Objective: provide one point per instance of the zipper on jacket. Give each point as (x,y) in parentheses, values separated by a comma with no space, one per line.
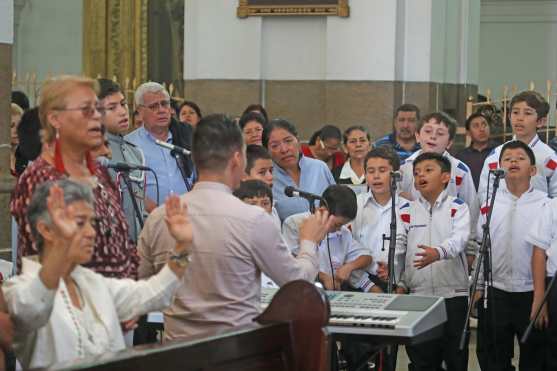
(429,244)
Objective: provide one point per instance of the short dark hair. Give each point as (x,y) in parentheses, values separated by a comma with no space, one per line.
(442,118)
(253,188)
(21,99)
(341,201)
(278,124)
(107,87)
(215,139)
(354,128)
(532,99)
(257,107)
(385,152)
(28,132)
(515,144)
(441,160)
(254,153)
(407,107)
(326,132)
(192,105)
(474,116)
(252,116)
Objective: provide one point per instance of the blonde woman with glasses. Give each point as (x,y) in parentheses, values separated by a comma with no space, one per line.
(71,121)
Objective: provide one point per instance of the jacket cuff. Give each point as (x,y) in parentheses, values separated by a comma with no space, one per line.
(442,252)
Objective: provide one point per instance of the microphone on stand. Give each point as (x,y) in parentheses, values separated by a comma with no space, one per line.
(396,175)
(499,173)
(294,192)
(120,166)
(173,147)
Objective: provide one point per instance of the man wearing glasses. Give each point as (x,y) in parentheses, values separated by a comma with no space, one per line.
(117,121)
(175,174)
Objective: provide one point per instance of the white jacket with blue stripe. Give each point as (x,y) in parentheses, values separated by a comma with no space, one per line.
(444,226)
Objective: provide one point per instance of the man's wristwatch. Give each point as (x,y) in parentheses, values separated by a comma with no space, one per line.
(181,259)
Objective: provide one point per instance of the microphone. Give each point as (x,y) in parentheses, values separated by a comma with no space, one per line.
(293,192)
(499,173)
(396,175)
(120,166)
(173,147)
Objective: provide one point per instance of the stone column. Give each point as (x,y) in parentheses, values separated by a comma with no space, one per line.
(6,180)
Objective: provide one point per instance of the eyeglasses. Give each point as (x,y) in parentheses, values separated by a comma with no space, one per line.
(87,111)
(154,107)
(288,141)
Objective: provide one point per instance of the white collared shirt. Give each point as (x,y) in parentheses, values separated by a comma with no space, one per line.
(342,246)
(511,252)
(543,234)
(545,179)
(372,222)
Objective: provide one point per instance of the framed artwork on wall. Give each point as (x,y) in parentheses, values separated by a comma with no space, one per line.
(250,8)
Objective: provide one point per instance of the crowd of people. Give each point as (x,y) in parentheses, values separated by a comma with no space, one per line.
(114,223)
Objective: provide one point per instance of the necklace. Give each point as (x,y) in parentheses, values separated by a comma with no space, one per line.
(65,297)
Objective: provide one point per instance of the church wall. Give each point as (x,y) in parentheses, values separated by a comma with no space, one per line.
(48,37)
(343,71)
(518,45)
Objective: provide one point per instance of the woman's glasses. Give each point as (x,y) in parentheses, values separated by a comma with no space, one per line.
(86,111)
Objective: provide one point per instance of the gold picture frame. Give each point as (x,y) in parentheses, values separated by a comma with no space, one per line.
(251,8)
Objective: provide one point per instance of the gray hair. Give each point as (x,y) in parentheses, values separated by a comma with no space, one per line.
(38,211)
(149,87)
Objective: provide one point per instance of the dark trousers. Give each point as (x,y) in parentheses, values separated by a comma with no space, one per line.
(507,316)
(551,334)
(429,356)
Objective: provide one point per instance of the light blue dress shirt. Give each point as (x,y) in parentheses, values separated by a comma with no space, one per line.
(315,177)
(161,161)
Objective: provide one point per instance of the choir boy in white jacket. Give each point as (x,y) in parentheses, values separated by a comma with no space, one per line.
(432,233)
(435,133)
(506,312)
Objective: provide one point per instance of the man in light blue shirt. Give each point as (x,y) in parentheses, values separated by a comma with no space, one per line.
(153,102)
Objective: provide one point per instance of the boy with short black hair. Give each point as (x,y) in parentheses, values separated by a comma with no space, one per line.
(372,222)
(509,300)
(435,133)
(256,192)
(529,111)
(432,233)
(259,164)
(339,249)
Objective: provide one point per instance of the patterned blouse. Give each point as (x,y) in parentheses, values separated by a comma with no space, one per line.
(115,255)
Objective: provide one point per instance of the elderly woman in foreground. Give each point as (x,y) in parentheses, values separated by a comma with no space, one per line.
(63,311)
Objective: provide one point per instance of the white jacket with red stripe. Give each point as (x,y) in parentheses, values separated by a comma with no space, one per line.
(511,253)
(545,179)
(444,226)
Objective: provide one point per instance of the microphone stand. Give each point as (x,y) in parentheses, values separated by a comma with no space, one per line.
(392,239)
(484,254)
(530,327)
(127,181)
(180,163)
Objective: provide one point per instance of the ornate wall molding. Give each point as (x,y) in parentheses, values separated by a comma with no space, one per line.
(249,8)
